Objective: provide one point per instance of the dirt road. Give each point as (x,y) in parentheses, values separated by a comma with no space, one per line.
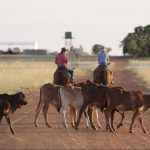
(29,137)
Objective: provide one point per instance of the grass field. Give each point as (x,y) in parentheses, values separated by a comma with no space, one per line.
(26,73)
(141,67)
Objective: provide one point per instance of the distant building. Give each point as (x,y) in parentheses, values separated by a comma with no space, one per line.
(4,45)
(35,52)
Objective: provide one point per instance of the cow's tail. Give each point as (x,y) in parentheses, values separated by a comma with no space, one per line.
(40,99)
(39,107)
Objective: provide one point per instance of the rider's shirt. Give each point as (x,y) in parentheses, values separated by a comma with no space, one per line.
(61,60)
(103,58)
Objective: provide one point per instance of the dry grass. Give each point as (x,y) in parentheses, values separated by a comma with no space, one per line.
(29,73)
(142,69)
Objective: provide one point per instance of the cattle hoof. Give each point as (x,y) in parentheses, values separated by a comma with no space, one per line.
(65,126)
(100,127)
(73,126)
(119,125)
(36,125)
(13,132)
(145,131)
(76,128)
(130,131)
(48,125)
(87,127)
(94,128)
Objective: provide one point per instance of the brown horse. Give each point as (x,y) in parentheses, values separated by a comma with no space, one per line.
(62,77)
(102,75)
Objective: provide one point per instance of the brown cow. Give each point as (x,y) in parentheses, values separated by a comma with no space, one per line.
(94,96)
(122,101)
(146,102)
(9,104)
(48,95)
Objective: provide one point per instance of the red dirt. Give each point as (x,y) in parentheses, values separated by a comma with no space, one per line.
(29,137)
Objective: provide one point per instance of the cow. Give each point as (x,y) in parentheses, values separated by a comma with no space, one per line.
(122,101)
(49,94)
(146,106)
(9,104)
(71,96)
(94,96)
(91,108)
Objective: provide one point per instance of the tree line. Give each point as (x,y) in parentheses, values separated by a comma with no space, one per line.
(136,44)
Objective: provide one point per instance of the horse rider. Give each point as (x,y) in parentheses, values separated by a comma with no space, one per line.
(103,59)
(62,60)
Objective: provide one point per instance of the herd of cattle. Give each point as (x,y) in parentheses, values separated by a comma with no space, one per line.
(83,97)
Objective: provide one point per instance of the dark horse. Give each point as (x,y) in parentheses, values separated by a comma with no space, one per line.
(102,75)
(62,77)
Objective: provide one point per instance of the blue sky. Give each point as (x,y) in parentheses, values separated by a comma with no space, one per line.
(104,22)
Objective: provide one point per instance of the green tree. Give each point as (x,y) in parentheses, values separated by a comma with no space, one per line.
(137,43)
(97,47)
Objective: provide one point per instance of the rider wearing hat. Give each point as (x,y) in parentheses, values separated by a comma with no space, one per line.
(103,59)
(62,60)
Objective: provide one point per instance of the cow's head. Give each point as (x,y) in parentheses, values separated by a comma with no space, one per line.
(21,100)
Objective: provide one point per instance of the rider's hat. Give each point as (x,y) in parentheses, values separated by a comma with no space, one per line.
(63,49)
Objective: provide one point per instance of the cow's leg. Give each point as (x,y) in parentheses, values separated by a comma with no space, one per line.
(141,123)
(82,109)
(107,113)
(73,116)
(65,121)
(97,118)
(122,118)
(87,117)
(1,116)
(9,123)
(45,111)
(132,121)
(39,107)
(112,119)
(63,113)
(90,114)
